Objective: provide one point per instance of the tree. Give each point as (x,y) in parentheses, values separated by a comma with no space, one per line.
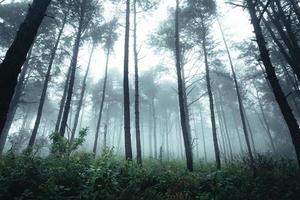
(200,21)
(240,101)
(273,80)
(46,82)
(110,37)
(16,55)
(128,148)
(84,11)
(184,126)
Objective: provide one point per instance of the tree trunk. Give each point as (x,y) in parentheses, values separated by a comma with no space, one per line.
(137,104)
(240,101)
(45,87)
(77,114)
(184,126)
(211,105)
(277,90)
(15,57)
(128,148)
(73,66)
(63,101)
(14,103)
(101,103)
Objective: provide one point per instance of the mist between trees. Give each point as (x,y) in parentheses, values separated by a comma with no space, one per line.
(152,79)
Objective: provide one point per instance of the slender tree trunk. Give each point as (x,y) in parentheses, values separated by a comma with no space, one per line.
(15,57)
(136,77)
(211,105)
(102,103)
(77,114)
(73,66)
(45,87)
(14,103)
(277,90)
(63,101)
(240,101)
(184,126)
(128,148)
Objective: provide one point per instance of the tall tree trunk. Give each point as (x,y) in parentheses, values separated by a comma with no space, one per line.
(203,136)
(77,114)
(211,104)
(14,103)
(73,66)
(101,103)
(128,148)
(184,126)
(63,101)
(277,90)
(240,100)
(136,77)
(15,57)
(45,87)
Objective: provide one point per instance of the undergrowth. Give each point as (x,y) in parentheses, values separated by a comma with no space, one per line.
(108,177)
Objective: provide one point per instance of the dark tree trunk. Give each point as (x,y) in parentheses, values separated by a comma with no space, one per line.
(101,103)
(73,66)
(79,106)
(136,77)
(184,126)
(63,101)
(277,90)
(240,100)
(211,105)
(14,103)
(128,148)
(15,57)
(45,87)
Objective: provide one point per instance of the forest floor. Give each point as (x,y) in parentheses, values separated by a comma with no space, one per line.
(108,177)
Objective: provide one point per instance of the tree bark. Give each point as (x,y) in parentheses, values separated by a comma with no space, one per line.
(101,103)
(211,104)
(277,90)
(128,148)
(15,57)
(14,103)
(240,101)
(184,126)
(136,77)
(79,106)
(73,66)
(63,101)
(45,87)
